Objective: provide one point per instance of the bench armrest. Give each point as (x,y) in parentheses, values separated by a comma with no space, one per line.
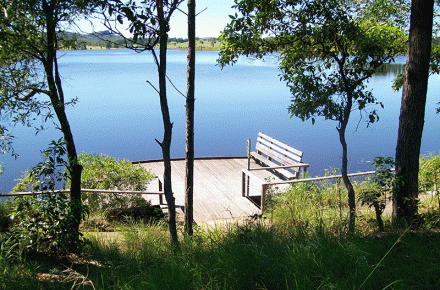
(301,165)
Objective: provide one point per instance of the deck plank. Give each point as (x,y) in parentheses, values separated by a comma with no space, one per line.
(217,187)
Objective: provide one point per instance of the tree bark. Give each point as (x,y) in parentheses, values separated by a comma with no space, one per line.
(378,212)
(56,95)
(190,100)
(168,126)
(345,179)
(412,113)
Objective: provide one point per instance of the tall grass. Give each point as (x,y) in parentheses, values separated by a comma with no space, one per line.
(256,255)
(253,255)
(299,244)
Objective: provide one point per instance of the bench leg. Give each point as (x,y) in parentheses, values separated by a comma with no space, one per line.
(160,189)
(247,185)
(244,184)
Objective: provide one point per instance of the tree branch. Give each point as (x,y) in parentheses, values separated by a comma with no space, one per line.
(175,86)
(148,82)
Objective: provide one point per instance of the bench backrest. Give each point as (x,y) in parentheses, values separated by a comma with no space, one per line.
(277,151)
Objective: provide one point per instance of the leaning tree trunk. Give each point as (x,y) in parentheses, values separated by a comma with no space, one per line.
(56,95)
(75,169)
(189,181)
(346,180)
(168,126)
(344,170)
(412,113)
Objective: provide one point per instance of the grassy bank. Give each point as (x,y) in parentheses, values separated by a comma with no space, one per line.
(305,250)
(300,243)
(251,256)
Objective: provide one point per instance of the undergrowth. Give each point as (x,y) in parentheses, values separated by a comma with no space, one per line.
(300,243)
(256,254)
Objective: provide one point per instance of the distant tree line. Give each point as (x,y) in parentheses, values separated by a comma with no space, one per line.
(106,39)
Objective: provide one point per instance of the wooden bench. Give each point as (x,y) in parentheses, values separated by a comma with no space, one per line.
(281,159)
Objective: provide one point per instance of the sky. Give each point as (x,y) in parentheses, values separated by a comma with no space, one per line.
(212,18)
(209,23)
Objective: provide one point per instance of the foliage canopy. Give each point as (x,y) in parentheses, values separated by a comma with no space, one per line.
(328,53)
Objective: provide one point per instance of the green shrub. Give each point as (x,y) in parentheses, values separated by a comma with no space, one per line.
(380,187)
(5,210)
(144,213)
(45,223)
(105,172)
(429,166)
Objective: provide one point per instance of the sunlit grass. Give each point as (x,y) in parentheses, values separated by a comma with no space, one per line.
(299,244)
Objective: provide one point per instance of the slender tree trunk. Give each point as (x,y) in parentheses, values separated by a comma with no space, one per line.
(56,95)
(168,126)
(378,212)
(190,99)
(346,180)
(412,113)
(344,170)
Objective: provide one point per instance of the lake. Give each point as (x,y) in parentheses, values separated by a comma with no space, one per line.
(118,113)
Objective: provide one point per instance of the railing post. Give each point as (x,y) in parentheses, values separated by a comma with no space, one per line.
(243,183)
(338,189)
(160,189)
(264,188)
(248,151)
(435,189)
(304,172)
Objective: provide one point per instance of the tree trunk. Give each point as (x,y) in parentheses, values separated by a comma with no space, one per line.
(412,113)
(75,169)
(345,179)
(378,212)
(168,126)
(190,99)
(56,95)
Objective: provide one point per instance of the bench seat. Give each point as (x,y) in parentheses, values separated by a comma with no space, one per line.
(280,159)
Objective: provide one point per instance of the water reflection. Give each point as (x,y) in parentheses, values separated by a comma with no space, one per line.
(390,70)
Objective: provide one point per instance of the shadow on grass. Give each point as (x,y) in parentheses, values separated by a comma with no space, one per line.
(254,255)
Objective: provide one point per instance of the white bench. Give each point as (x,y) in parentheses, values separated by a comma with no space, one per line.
(281,159)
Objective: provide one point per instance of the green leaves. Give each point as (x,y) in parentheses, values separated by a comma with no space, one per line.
(43,224)
(429,171)
(105,172)
(328,52)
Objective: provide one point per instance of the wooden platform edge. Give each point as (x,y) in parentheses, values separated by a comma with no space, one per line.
(196,158)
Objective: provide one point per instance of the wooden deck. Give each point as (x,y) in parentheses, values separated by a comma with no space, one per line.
(217,188)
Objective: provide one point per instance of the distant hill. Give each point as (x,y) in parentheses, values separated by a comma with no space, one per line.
(106,40)
(100,39)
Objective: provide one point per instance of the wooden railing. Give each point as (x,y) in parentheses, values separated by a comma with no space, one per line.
(85,190)
(265,185)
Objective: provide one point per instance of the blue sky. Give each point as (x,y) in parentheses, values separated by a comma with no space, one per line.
(209,23)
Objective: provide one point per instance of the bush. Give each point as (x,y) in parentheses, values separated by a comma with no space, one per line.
(429,166)
(380,187)
(105,172)
(112,219)
(44,224)
(144,213)
(5,210)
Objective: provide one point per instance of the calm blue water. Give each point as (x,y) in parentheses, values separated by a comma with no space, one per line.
(119,113)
